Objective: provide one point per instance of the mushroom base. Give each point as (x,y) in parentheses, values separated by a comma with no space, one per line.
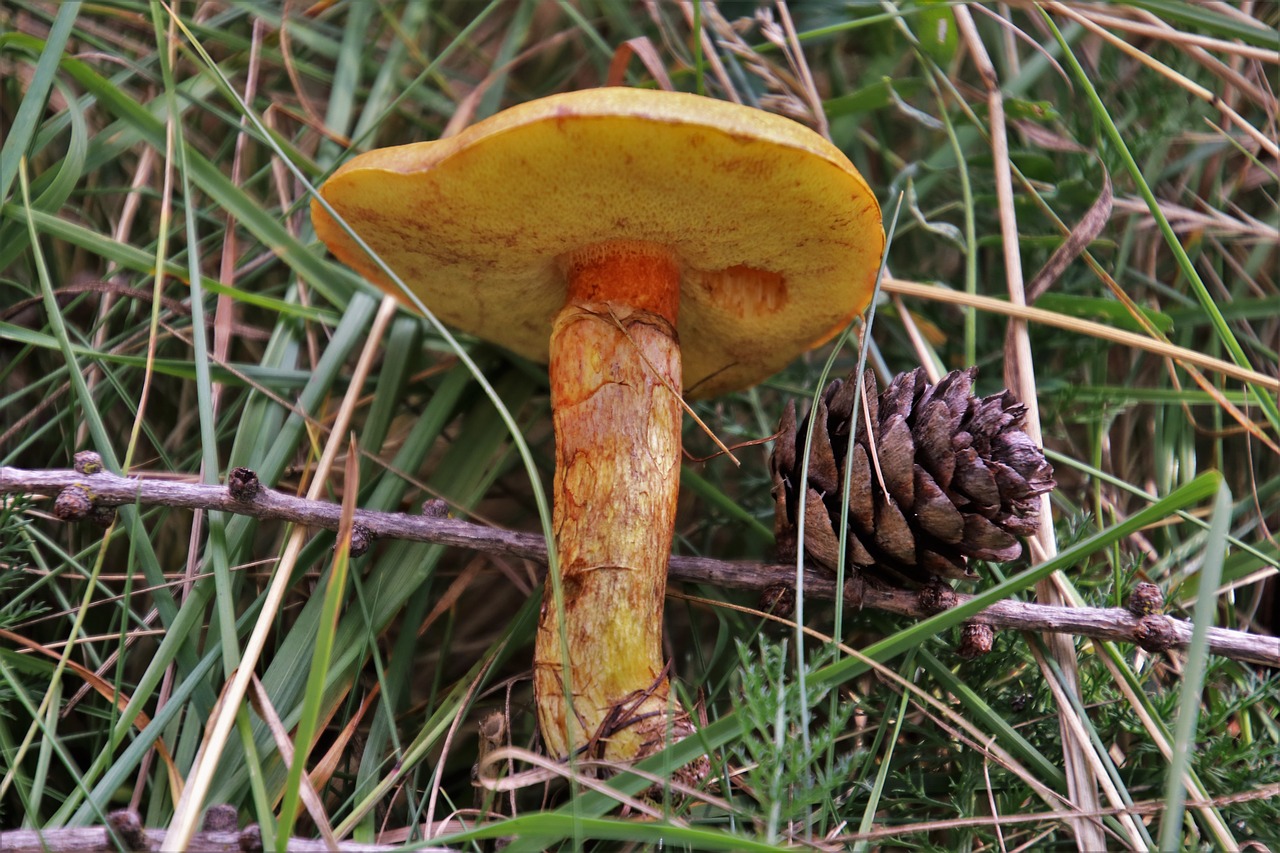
(615,393)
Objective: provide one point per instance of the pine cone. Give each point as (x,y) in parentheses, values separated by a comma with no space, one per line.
(956,478)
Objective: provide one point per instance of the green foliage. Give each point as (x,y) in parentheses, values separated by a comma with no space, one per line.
(17,606)
(788,752)
(163,300)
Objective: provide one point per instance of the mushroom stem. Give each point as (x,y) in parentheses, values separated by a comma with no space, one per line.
(615,395)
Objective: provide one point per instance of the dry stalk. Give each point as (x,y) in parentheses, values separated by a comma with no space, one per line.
(124,831)
(1115,624)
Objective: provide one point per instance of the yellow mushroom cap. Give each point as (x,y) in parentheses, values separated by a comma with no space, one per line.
(777,236)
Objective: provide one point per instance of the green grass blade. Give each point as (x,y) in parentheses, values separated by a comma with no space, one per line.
(313,696)
(1184,739)
(720,732)
(27,120)
(1262,396)
(886,761)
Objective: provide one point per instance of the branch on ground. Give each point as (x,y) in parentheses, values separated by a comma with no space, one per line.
(89,493)
(124,831)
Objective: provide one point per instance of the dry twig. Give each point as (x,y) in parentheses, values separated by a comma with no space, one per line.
(1115,624)
(124,831)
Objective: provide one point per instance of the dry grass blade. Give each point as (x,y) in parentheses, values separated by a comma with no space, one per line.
(1159,737)
(447,602)
(1084,233)
(1020,377)
(708,47)
(583,774)
(337,753)
(1161,31)
(1146,807)
(1187,358)
(218,729)
(642,47)
(1208,221)
(465,112)
(1266,144)
(786,95)
(1084,327)
(1099,771)
(1195,47)
(261,703)
(107,691)
(161,289)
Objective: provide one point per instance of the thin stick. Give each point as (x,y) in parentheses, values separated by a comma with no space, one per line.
(1115,624)
(126,826)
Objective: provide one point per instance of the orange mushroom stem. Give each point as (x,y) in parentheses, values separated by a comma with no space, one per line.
(615,396)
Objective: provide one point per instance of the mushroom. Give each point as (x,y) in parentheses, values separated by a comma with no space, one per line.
(646,244)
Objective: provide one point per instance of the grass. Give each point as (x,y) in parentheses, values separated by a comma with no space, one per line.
(163,301)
